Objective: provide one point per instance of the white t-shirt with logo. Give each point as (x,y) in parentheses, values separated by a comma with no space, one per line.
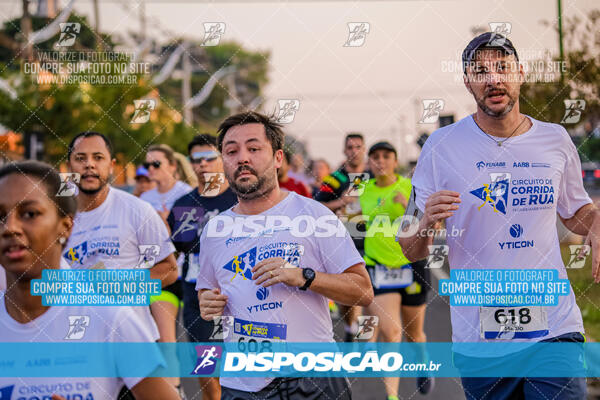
(119,234)
(279,312)
(158,200)
(56,325)
(510,196)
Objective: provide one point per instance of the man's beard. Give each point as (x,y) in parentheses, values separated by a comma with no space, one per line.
(251,191)
(90,192)
(489,111)
(354,162)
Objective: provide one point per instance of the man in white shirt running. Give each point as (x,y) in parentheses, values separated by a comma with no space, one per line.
(500,178)
(114,229)
(277,280)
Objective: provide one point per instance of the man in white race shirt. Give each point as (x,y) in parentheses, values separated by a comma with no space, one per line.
(280,279)
(114,229)
(34,226)
(502,177)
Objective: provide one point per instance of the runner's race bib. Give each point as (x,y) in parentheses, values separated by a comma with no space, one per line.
(392,278)
(513,322)
(257,336)
(193,267)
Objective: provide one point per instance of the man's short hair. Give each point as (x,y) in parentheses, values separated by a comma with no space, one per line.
(354,135)
(273,129)
(88,134)
(204,139)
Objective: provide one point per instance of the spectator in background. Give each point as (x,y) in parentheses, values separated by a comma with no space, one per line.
(319,169)
(184,172)
(162,168)
(142,181)
(287,182)
(297,168)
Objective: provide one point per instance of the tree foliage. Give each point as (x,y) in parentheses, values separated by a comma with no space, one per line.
(60,111)
(545,101)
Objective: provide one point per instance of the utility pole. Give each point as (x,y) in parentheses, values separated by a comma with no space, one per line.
(142,21)
(26,29)
(560,41)
(99,44)
(186,87)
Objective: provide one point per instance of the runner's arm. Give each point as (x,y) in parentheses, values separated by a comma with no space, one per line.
(352,287)
(586,221)
(165,270)
(212,303)
(583,220)
(336,204)
(331,197)
(413,237)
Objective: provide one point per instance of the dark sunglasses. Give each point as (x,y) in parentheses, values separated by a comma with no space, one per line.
(155,164)
(198,157)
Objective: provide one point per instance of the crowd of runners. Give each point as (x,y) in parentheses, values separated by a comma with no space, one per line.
(290,283)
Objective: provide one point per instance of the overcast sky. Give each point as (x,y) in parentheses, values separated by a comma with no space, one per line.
(376,88)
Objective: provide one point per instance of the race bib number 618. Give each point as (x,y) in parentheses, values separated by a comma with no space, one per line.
(513,322)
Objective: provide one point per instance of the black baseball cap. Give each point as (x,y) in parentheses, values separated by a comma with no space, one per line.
(490,40)
(382,146)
